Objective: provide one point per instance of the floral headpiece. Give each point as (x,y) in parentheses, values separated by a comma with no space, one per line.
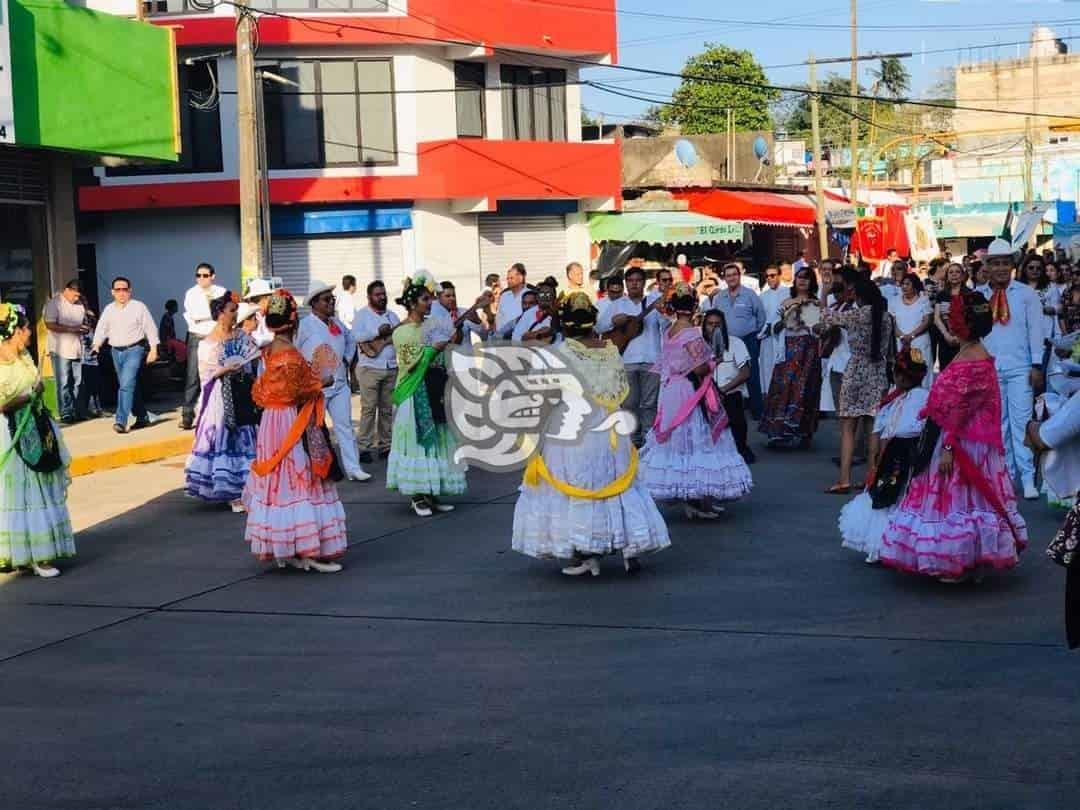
(911,361)
(683,298)
(9,319)
(281,311)
(576,310)
(416,286)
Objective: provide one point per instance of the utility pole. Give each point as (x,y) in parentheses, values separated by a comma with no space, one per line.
(819,190)
(252,264)
(854,104)
(1029,145)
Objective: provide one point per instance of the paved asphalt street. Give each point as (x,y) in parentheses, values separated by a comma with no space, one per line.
(756,664)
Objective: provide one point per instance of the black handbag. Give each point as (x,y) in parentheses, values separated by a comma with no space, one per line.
(435,382)
(240,407)
(893,472)
(317,443)
(34,438)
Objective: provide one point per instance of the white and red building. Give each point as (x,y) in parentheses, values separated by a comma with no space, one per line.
(398,150)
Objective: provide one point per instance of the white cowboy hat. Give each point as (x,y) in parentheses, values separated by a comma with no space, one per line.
(317,287)
(258,287)
(245,311)
(1000,248)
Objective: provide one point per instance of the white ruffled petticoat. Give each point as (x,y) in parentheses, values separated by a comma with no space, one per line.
(690,466)
(550,525)
(862,527)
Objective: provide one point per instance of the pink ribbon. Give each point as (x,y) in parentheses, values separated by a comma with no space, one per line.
(707,392)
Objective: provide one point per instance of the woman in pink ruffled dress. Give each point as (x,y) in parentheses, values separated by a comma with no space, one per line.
(959,515)
(689,454)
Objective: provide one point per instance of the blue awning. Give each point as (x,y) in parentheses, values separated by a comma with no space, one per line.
(305,221)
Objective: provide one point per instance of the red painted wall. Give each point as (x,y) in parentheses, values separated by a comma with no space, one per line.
(448,170)
(559,26)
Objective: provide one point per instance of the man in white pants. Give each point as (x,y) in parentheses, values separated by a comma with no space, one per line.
(772,343)
(327,345)
(1016,344)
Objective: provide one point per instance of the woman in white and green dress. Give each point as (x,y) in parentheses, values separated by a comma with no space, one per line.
(421,463)
(35,528)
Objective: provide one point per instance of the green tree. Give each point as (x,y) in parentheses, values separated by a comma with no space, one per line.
(699,106)
(834,113)
(891,78)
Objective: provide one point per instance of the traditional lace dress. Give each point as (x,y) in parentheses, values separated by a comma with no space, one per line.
(900,422)
(585,497)
(221,456)
(946,526)
(34,523)
(690,453)
(293,510)
(421,447)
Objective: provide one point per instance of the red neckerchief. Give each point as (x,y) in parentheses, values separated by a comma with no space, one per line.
(891,397)
(335,330)
(453,314)
(540,315)
(999,306)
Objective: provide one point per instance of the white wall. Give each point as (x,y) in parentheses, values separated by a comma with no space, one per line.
(158,251)
(448,245)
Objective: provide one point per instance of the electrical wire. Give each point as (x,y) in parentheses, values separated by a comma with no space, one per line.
(337,26)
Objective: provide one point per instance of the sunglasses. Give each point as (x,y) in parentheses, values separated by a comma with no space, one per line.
(203,275)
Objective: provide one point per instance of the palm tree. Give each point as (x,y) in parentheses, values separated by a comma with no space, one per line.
(892,77)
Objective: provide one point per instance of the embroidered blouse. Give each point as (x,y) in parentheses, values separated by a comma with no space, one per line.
(288,380)
(601,370)
(17,378)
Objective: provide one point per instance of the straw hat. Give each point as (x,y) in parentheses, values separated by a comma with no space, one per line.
(317,288)
(1000,248)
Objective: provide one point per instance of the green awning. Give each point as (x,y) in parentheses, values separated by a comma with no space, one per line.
(663,227)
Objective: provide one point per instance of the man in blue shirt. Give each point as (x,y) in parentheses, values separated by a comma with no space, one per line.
(1016,343)
(745,316)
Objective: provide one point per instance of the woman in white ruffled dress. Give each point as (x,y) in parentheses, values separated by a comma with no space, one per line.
(583,500)
(690,454)
(897,426)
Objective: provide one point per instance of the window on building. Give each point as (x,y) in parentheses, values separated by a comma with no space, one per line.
(534,103)
(200,126)
(342,114)
(469,83)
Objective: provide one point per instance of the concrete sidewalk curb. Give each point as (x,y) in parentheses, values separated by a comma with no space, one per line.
(132,454)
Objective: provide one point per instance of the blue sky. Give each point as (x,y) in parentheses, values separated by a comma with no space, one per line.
(664,43)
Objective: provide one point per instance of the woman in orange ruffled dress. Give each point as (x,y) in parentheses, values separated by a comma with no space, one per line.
(294,515)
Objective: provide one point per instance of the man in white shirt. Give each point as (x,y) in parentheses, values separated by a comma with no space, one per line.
(326,344)
(1016,343)
(890,284)
(65,318)
(132,334)
(199,324)
(376,371)
(733,369)
(884,269)
(345,311)
(772,343)
(642,352)
(535,323)
(745,318)
(528,301)
(445,313)
(510,307)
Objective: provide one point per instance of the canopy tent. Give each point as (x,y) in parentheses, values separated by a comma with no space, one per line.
(663,227)
(755,207)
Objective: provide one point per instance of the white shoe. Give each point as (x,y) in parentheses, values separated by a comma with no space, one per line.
(46,571)
(1030,492)
(587,566)
(420,506)
(323,567)
(359,475)
(237,507)
(439,506)
(293,562)
(693,513)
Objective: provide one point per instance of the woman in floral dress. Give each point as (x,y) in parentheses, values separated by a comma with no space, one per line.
(870,338)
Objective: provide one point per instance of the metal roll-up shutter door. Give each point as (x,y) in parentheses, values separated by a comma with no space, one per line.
(370,257)
(537,242)
(24,176)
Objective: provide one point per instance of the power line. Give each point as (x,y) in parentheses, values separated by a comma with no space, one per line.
(314,23)
(652,15)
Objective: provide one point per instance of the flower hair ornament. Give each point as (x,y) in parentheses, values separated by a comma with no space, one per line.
(683,299)
(281,311)
(576,309)
(9,319)
(413,288)
(217,306)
